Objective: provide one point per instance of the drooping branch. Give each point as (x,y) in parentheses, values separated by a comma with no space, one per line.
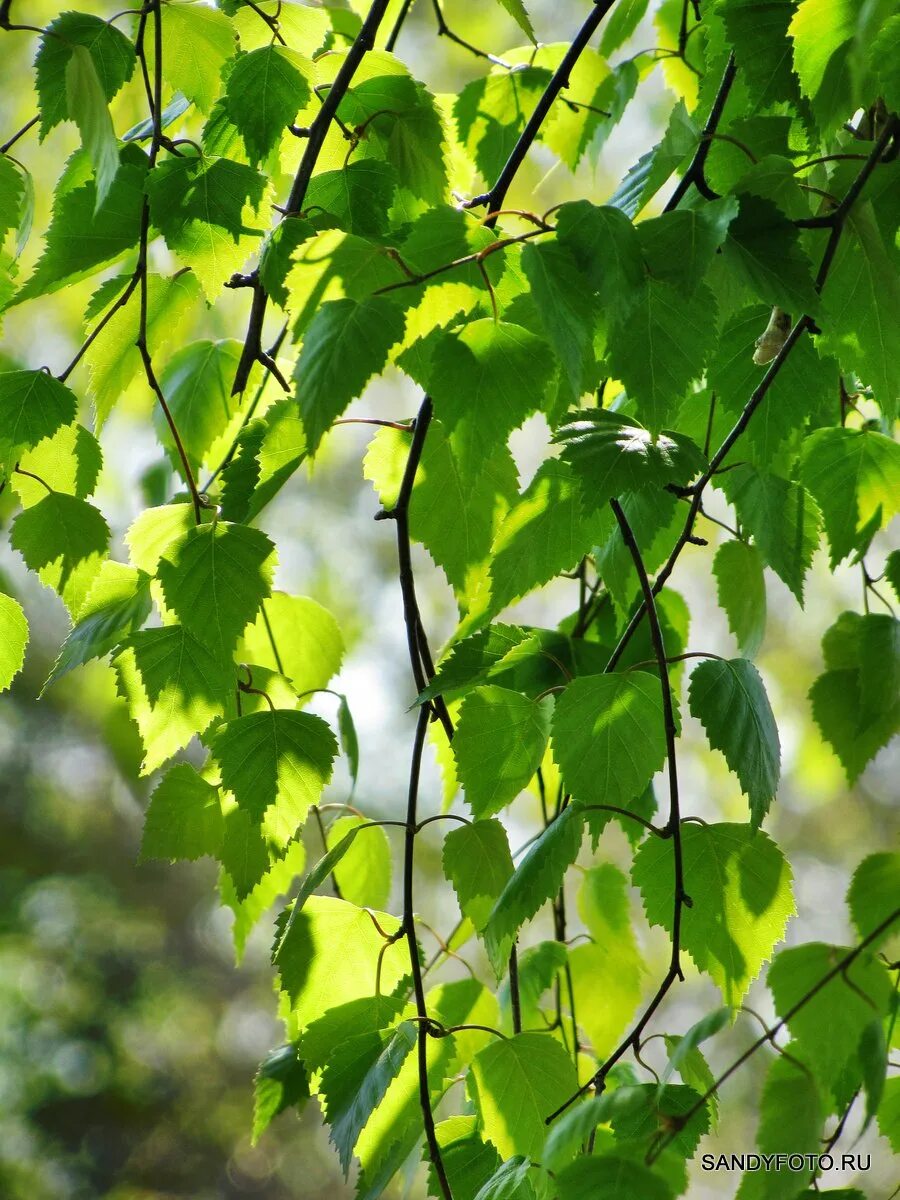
(678,1123)
(318,131)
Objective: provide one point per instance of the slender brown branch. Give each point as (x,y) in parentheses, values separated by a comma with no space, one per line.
(444,30)
(678,1123)
(8,145)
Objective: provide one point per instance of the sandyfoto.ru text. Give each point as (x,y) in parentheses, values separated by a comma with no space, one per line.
(786,1162)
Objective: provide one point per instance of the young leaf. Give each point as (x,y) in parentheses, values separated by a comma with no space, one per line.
(729,699)
(662,345)
(297,637)
(184,819)
(266,89)
(68,461)
(356,198)
(783,518)
(740,885)
(474,660)
(87,107)
(214,581)
(518,1082)
(827,1029)
(174,688)
(330,955)
(537,879)
(355,1080)
(280,1083)
(203,207)
(251,897)
(612,454)
(13,639)
(197,41)
(741,590)
(484,381)
(478,863)
(111,52)
(63,539)
(608,736)
(874,892)
(33,406)
(363,871)
(196,383)
(519,14)
(854,476)
(500,741)
(275,764)
(610,1178)
(345,345)
(83,236)
(155,532)
(117,605)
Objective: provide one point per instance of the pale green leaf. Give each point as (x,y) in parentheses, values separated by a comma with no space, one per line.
(13,639)
(197,42)
(608,736)
(519,1081)
(478,863)
(783,518)
(875,894)
(196,383)
(68,461)
(363,871)
(297,637)
(611,1178)
(87,106)
(249,899)
(740,887)
(741,590)
(500,741)
(111,52)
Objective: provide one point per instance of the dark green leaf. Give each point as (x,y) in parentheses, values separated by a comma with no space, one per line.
(477,862)
(184,819)
(742,593)
(112,55)
(266,89)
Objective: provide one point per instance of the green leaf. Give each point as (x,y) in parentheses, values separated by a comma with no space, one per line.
(196,383)
(763,250)
(346,343)
(355,1080)
(266,89)
(741,591)
(568,313)
(682,1050)
(12,195)
(740,886)
(215,579)
(474,660)
(854,475)
(297,637)
(889,1113)
(791,1117)
(783,519)
(83,237)
(607,972)
(623,21)
(537,879)
(197,40)
(184,819)
(500,741)
(654,168)
(884,60)
(663,344)
(33,406)
(484,381)
(455,518)
(155,531)
(363,871)
(855,702)
(280,1083)
(874,892)
(545,533)
(696,1073)
(612,454)
(356,198)
(116,605)
(679,247)
(69,461)
(13,639)
(113,359)
(608,736)
(519,1081)
(729,699)
(269,450)
(174,687)
(87,107)
(202,207)
(610,1178)
(827,1028)
(606,246)
(517,11)
(275,764)
(349,739)
(276,259)
(758,31)
(111,52)
(63,539)
(257,884)
(478,863)
(330,956)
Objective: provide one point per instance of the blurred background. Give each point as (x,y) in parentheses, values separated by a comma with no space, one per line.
(128,1038)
